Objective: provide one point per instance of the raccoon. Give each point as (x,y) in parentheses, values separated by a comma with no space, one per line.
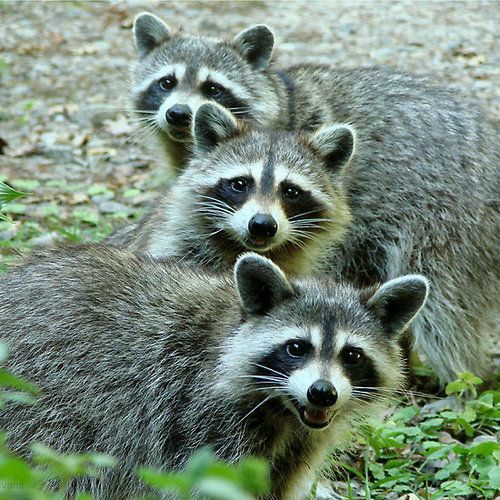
(400,118)
(149,361)
(175,74)
(311,204)
(275,193)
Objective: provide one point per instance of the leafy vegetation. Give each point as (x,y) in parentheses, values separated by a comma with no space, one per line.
(448,452)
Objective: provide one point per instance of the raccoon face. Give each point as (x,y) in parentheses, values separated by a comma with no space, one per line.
(320,350)
(269,191)
(176,74)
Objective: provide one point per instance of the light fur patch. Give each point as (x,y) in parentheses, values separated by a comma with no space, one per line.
(178,70)
(240,219)
(300,380)
(221,79)
(193,101)
(235,358)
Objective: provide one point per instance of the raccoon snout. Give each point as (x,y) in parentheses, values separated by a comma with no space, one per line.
(322,393)
(262,226)
(179,115)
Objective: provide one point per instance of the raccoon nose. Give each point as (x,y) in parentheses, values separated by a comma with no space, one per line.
(262,225)
(322,393)
(179,115)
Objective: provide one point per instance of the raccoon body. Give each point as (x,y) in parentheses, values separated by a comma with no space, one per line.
(357,220)
(149,361)
(400,118)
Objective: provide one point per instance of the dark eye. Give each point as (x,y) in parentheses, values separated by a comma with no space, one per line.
(212,89)
(353,355)
(239,185)
(167,83)
(297,348)
(291,192)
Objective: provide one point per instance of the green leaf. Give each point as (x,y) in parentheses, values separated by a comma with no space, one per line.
(470,379)
(494,477)
(198,464)
(4,352)
(8,194)
(130,193)
(8,380)
(455,387)
(484,449)
(254,475)
(103,460)
(165,481)
(17,471)
(223,490)
(447,470)
(97,189)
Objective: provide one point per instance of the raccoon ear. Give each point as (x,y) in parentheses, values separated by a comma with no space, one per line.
(212,124)
(335,144)
(397,302)
(149,31)
(255,44)
(260,284)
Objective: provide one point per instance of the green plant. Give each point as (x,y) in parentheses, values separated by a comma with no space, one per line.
(7,195)
(212,478)
(444,453)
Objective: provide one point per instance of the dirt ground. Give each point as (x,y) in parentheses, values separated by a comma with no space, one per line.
(64,80)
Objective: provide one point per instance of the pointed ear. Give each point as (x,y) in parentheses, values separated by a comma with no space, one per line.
(397,302)
(260,284)
(255,44)
(335,144)
(212,124)
(149,31)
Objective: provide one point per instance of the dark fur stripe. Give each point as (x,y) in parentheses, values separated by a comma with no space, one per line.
(267,177)
(290,98)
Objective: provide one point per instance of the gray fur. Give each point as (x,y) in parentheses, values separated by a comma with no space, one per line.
(149,32)
(148,361)
(420,198)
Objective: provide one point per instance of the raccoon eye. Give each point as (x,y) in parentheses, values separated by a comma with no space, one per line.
(297,348)
(167,83)
(239,185)
(291,192)
(212,89)
(352,355)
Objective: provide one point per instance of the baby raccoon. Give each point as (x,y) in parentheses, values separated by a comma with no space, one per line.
(149,361)
(301,200)
(400,119)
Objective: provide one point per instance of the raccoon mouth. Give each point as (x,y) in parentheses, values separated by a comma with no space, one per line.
(259,244)
(179,134)
(315,418)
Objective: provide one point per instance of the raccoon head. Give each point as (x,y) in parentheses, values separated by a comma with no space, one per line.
(322,351)
(177,73)
(276,193)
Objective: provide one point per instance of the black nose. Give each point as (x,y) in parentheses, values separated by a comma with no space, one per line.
(322,393)
(262,225)
(179,115)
